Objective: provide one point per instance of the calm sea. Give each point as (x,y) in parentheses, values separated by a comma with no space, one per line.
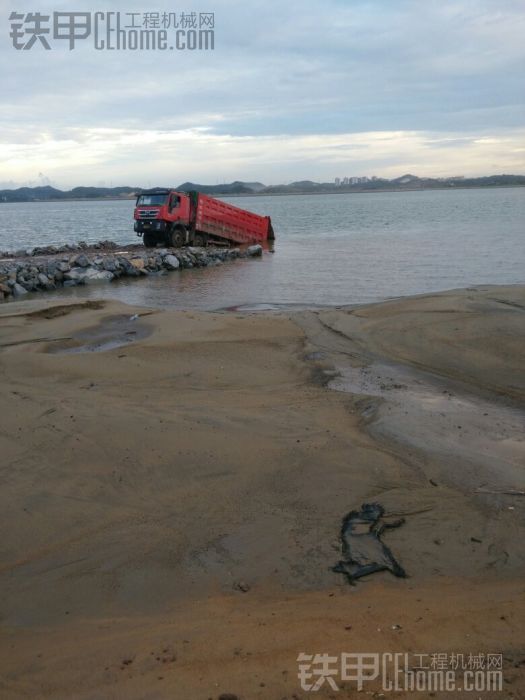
(329,249)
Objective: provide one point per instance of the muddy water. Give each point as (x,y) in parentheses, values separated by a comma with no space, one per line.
(113,332)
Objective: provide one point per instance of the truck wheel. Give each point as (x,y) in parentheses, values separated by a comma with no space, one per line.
(199,240)
(150,239)
(177,238)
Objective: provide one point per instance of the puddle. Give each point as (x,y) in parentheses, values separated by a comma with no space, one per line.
(484,438)
(249,308)
(113,332)
(254,308)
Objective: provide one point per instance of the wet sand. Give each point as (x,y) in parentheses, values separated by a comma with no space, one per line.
(173,485)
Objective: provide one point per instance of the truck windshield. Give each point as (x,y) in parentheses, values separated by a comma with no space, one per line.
(151,200)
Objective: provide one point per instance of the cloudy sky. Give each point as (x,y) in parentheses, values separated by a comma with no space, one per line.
(309,89)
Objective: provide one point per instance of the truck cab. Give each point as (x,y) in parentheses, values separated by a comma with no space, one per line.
(163,216)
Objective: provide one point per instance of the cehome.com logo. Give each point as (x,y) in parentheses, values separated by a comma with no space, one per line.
(114,31)
(394,672)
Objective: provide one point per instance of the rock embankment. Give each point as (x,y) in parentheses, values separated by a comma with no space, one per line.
(43,272)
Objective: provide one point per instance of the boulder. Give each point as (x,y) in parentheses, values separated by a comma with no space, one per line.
(18,290)
(44,281)
(254,251)
(171,262)
(92,276)
(128,268)
(109,264)
(138,263)
(74,275)
(82,261)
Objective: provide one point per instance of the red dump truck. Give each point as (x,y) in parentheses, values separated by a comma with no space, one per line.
(192,218)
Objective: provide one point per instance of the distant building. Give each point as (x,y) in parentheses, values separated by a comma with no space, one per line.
(352,180)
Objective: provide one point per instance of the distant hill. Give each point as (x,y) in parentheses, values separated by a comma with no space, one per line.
(26,194)
(255,186)
(405,182)
(38,194)
(233,188)
(89,192)
(301,187)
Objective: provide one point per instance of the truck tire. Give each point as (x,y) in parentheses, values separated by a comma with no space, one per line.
(199,240)
(150,239)
(177,238)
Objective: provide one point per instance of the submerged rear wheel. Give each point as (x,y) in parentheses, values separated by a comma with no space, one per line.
(199,240)
(177,238)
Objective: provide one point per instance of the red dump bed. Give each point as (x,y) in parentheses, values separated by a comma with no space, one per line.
(221,219)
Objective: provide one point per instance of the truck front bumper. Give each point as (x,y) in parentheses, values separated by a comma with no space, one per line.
(146,225)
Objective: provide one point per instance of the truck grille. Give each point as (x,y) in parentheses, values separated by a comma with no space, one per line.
(148,213)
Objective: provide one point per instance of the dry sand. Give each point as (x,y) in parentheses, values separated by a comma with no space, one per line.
(173,488)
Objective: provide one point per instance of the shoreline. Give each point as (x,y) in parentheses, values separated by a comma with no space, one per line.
(175,484)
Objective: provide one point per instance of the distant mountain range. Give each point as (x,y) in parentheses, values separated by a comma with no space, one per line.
(405,182)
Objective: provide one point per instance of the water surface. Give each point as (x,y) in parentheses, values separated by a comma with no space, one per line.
(330,249)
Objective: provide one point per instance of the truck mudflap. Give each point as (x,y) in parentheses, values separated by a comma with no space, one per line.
(271,232)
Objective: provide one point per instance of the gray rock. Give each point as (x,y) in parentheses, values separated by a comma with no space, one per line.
(110,265)
(18,290)
(30,285)
(128,268)
(82,261)
(74,275)
(63,266)
(171,262)
(70,283)
(92,276)
(45,282)
(254,250)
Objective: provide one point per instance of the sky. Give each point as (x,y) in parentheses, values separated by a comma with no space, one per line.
(310,89)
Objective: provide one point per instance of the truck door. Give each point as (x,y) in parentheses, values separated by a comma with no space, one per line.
(174,206)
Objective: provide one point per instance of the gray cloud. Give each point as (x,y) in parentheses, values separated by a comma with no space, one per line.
(293,70)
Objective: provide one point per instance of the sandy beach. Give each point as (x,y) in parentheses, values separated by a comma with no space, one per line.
(173,487)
